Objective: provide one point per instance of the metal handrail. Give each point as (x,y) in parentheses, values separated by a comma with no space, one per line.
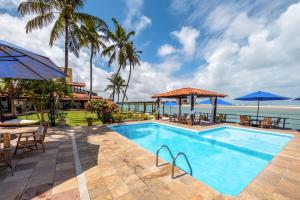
(174,164)
(157,153)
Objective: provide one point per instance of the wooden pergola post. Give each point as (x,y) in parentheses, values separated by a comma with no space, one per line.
(214,109)
(151,107)
(144,107)
(192,108)
(158,104)
(179,111)
(163,111)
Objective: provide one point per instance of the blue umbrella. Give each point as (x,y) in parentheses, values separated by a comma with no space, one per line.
(219,102)
(170,104)
(297,99)
(261,96)
(18,63)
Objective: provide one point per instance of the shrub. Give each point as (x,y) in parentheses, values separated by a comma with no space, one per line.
(104,109)
(117,117)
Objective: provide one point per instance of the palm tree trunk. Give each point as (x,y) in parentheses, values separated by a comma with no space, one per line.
(66,45)
(91,72)
(118,96)
(127,84)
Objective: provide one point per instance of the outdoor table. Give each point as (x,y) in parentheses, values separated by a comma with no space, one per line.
(17,131)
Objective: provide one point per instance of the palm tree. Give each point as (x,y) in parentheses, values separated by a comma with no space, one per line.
(64,13)
(133,59)
(92,39)
(117,51)
(117,85)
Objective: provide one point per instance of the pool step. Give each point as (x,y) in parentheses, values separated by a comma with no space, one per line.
(174,161)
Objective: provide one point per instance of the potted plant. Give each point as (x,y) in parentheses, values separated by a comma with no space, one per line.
(61,118)
(89,121)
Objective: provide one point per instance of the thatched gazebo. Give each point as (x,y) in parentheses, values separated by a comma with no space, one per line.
(191,93)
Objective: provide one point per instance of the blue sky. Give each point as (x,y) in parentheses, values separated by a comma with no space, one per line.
(234,47)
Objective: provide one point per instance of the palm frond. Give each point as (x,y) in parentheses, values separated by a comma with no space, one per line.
(35,7)
(39,22)
(57,30)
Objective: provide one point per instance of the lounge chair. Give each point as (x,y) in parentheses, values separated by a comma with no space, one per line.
(6,151)
(266,123)
(173,118)
(184,119)
(245,120)
(276,123)
(221,118)
(28,141)
(204,120)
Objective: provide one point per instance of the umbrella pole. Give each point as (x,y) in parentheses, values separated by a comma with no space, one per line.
(257,110)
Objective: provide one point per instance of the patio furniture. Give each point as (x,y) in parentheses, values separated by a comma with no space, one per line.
(173,118)
(28,141)
(18,122)
(204,120)
(220,118)
(276,123)
(6,152)
(245,120)
(266,123)
(184,119)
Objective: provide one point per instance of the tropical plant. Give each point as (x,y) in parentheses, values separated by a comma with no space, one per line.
(104,109)
(66,18)
(117,85)
(9,88)
(39,93)
(93,33)
(133,60)
(117,51)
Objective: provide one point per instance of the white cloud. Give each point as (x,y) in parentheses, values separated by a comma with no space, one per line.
(9,4)
(266,61)
(134,18)
(187,37)
(166,50)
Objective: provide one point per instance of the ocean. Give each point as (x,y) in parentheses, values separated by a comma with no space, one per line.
(291,112)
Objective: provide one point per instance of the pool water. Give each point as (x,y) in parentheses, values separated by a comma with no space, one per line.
(225,158)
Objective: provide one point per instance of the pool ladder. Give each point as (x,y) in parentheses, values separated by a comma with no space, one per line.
(173,161)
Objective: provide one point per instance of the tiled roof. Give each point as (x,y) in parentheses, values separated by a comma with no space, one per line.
(80,96)
(183,92)
(76,84)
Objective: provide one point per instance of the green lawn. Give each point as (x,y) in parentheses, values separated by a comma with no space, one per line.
(74,118)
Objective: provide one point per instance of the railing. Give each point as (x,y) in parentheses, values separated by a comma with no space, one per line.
(174,164)
(285,122)
(174,161)
(157,153)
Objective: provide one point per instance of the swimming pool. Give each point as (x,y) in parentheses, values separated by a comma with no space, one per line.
(225,158)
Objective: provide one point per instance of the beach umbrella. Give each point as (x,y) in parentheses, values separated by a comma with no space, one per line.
(219,102)
(19,63)
(297,99)
(170,104)
(261,96)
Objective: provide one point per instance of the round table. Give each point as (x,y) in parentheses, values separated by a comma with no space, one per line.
(18,130)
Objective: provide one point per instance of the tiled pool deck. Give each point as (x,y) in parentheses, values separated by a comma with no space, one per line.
(112,167)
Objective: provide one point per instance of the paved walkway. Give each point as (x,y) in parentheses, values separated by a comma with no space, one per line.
(112,167)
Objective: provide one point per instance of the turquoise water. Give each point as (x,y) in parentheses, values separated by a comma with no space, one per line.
(226,158)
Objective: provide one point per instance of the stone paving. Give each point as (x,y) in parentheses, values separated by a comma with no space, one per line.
(116,168)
